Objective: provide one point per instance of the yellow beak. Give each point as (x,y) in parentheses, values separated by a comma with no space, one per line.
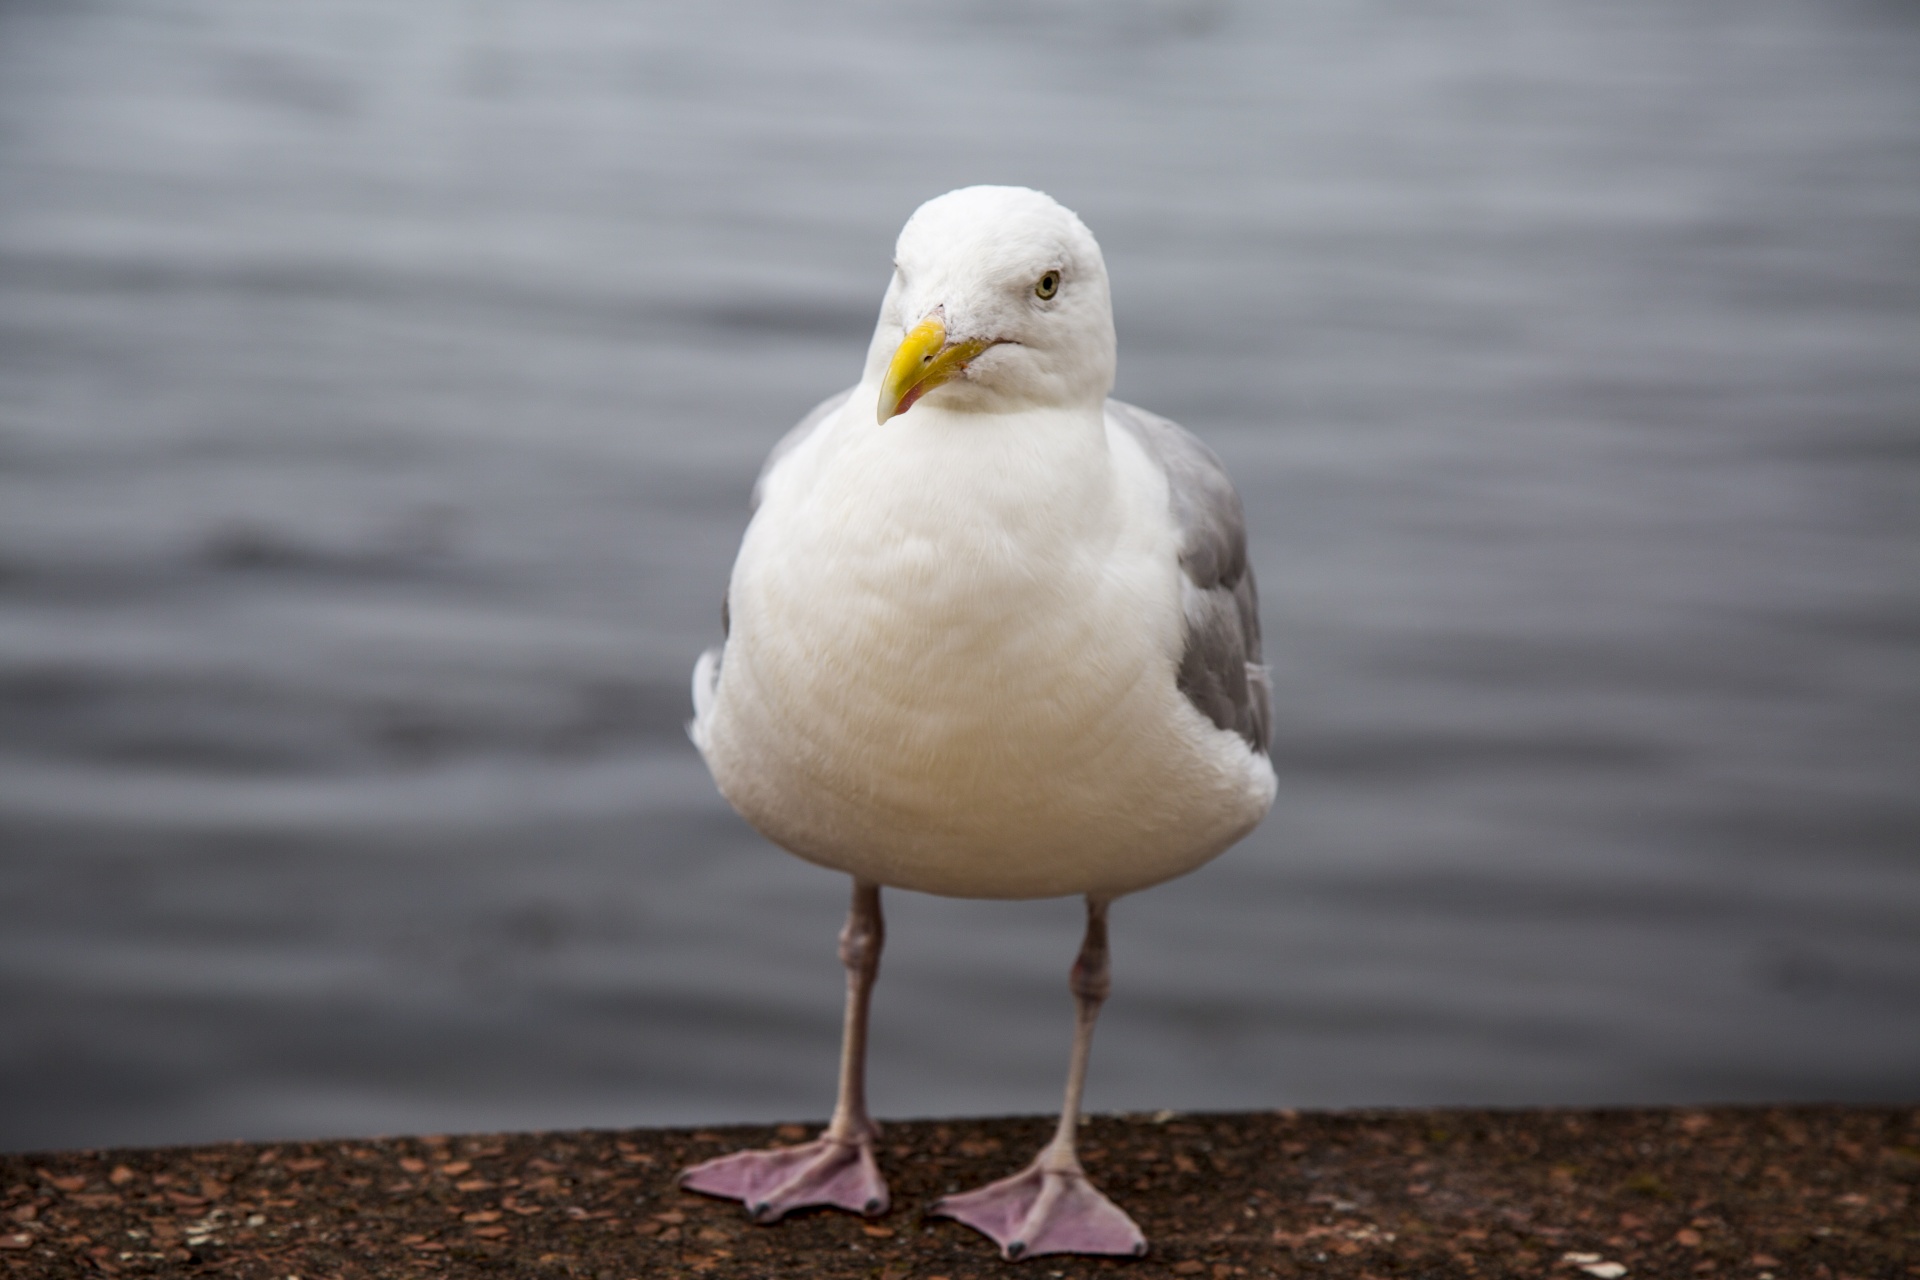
(924,360)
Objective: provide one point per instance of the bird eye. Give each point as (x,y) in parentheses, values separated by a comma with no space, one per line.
(1047,285)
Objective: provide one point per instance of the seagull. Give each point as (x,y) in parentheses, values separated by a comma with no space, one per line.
(990,634)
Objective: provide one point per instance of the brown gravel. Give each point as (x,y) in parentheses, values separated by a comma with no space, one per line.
(1819,1192)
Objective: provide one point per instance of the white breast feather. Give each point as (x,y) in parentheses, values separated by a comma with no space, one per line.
(951,664)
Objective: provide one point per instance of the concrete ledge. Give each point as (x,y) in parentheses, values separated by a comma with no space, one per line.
(1817,1192)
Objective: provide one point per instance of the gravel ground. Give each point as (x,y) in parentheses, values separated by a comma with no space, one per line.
(1818,1192)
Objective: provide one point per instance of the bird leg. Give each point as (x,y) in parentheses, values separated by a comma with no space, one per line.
(838,1167)
(1050,1207)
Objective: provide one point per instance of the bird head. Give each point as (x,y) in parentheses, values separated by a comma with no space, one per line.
(998,303)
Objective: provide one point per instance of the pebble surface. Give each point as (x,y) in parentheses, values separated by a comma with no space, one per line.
(1827,1193)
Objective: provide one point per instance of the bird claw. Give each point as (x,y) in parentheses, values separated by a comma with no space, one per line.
(1039,1211)
(835,1172)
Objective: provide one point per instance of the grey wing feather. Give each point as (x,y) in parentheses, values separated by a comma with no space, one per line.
(1220,670)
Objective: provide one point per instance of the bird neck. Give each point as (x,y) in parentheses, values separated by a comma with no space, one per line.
(1018,480)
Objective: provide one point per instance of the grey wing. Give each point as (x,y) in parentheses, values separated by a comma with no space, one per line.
(1220,670)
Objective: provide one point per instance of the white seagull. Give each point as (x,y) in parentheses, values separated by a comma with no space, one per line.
(995,638)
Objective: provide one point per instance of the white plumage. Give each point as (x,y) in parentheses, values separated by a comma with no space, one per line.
(955,635)
(996,639)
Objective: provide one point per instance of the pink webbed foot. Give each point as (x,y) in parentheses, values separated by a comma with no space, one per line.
(773,1183)
(1039,1211)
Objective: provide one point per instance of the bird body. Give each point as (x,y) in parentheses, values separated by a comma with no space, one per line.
(952,658)
(991,635)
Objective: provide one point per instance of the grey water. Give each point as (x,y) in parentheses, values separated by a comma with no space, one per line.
(380,391)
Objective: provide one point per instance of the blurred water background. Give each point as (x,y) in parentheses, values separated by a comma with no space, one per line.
(380,390)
